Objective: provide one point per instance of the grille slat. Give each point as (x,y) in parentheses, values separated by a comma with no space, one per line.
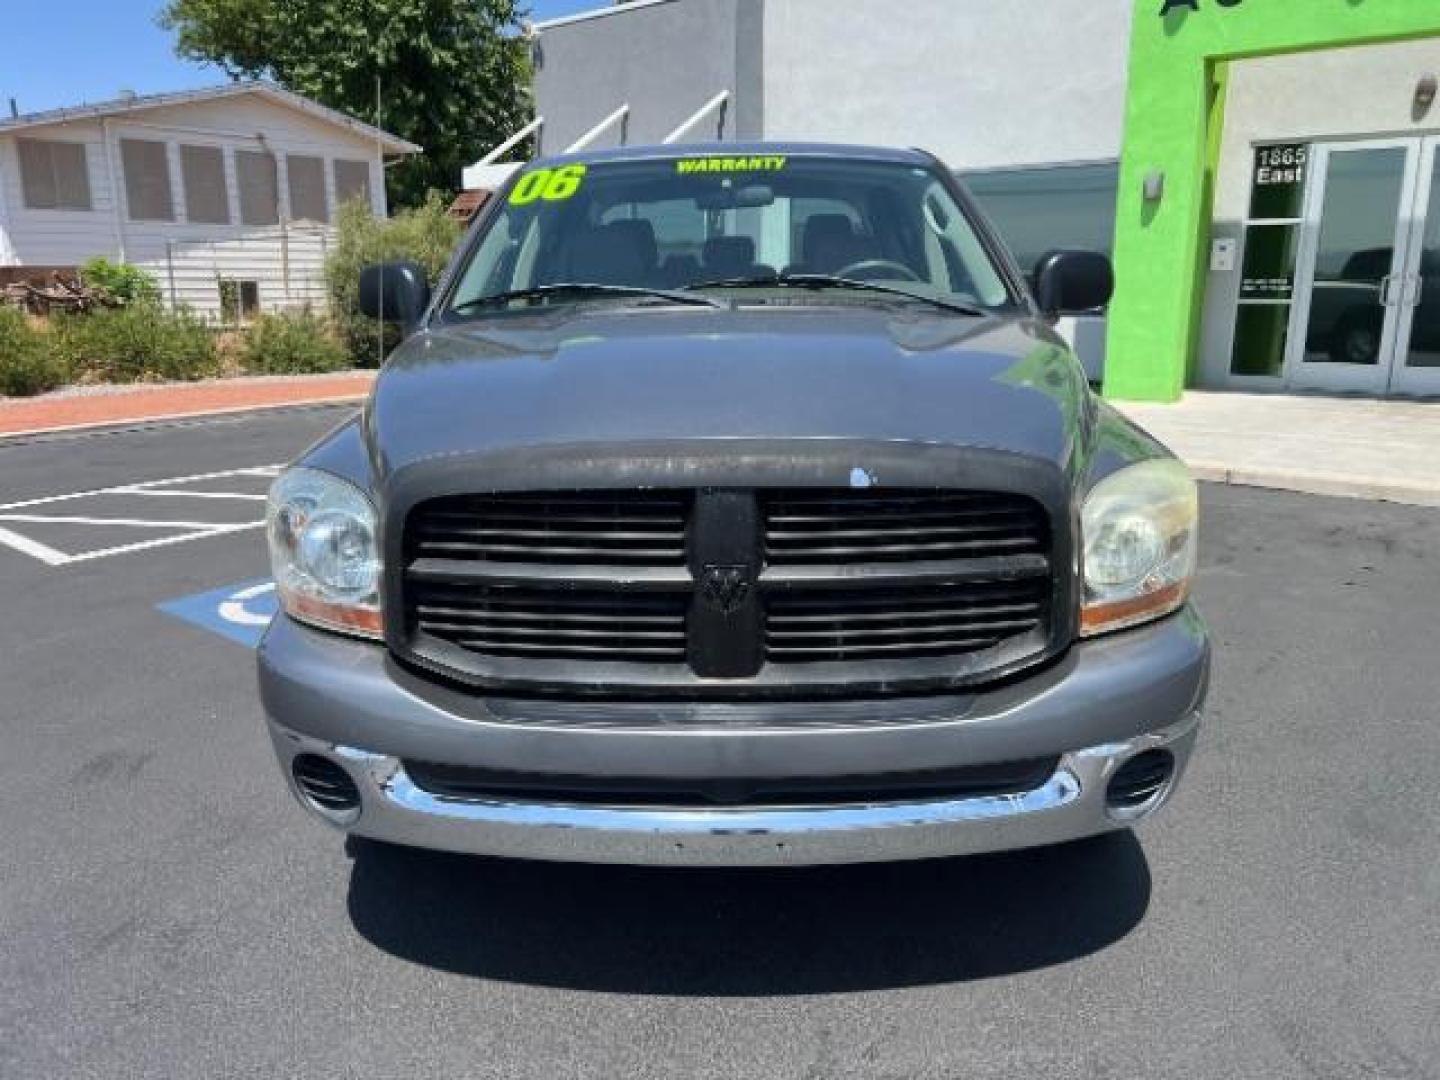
(498,614)
(917,550)
(555,650)
(867,633)
(924,616)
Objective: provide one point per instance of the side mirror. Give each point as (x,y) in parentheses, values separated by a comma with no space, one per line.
(394,292)
(1073,282)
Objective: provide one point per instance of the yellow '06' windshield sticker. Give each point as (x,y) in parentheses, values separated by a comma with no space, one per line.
(687,166)
(548,185)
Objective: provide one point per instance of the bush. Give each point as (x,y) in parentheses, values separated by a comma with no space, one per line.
(426,234)
(140,342)
(292,343)
(127,284)
(27,363)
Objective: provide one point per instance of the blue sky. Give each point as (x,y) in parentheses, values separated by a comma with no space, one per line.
(90,50)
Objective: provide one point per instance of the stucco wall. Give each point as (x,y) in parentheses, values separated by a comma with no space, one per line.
(1364,91)
(665,60)
(983,83)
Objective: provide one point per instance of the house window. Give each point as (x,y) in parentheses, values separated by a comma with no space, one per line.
(207,197)
(147,180)
(54,175)
(239,300)
(307,188)
(352,181)
(259,188)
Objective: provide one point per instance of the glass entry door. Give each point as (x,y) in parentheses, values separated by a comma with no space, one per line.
(1349,284)
(1366,317)
(1416,367)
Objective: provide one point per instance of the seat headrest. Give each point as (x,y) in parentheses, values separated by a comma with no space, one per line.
(823,229)
(735,253)
(606,256)
(641,234)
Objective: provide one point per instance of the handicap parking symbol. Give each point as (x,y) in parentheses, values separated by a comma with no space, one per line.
(240,612)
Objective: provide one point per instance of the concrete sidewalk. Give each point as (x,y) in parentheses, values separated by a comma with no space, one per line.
(1353,447)
(77,408)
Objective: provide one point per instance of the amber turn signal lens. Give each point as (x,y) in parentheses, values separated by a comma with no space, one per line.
(1118,614)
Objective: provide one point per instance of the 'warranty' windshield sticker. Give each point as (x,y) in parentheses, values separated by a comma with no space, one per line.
(730,165)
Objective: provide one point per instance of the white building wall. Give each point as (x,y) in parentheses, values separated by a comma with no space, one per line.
(665,60)
(983,83)
(188,259)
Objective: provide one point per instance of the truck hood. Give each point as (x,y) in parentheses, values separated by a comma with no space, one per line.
(568,377)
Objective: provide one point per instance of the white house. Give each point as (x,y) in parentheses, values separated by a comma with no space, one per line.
(226,195)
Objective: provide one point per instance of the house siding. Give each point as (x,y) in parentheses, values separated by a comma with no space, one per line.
(188,259)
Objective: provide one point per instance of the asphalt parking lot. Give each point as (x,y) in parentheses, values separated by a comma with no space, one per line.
(166,911)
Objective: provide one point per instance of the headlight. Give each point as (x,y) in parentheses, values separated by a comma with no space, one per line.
(1139,530)
(324,552)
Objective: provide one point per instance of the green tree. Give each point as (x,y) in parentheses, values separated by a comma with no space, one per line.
(454,74)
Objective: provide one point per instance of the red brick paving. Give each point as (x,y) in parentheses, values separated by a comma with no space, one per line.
(58,412)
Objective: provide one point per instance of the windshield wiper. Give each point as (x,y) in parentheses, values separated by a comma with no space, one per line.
(584,288)
(831,281)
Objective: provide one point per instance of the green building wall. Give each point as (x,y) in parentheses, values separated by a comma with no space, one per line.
(1178,55)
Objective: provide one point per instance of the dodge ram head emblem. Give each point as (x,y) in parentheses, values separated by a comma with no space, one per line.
(725,586)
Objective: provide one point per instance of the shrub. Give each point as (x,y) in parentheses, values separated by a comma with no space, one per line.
(140,342)
(292,343)
(27,363)
(426,234)
(127,284)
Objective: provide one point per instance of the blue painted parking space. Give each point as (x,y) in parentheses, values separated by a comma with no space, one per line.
(240,612)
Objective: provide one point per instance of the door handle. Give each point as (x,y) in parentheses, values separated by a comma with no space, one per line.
(1386,300)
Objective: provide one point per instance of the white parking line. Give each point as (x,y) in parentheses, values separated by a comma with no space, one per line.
(193,530)
(33,548)
(135,523)
(152,492)
(164,541)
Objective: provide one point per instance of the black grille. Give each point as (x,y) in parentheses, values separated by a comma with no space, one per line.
(727,592)
(898,624)
(970,781)
(552,624)
(861,526)
(604,528)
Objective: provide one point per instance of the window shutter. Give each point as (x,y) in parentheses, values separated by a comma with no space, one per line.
(259,188)
(307,188)
(207,197)
(147,180)
(352,180)
(54,175)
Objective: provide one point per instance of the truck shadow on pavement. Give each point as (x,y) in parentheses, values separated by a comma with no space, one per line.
(749,932)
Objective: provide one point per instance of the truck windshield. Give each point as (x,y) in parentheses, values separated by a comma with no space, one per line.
(750,229)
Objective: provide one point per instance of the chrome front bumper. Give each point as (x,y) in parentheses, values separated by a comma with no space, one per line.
(1104,702)
(1070,805)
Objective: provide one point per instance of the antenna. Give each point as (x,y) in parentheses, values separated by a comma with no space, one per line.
(380,155)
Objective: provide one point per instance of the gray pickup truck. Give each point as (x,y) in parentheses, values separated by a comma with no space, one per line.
(734,505)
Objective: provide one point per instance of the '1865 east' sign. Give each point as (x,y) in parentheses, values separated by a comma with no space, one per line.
(1194,5)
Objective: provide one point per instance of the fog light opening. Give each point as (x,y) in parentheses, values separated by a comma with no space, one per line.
(1139,784)
(327,787)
